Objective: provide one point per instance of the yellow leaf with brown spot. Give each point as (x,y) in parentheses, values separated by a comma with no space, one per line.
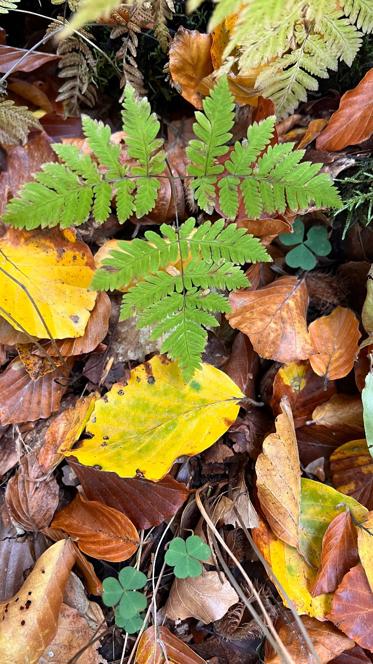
(140,429)
(44,281)
(278,478)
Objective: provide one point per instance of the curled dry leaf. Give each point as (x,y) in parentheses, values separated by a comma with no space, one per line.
(31,259)
(64,431)
(320,504)
(278,478)
(172,649)
(205,598)
(341,410)
(274,319)
(338,554)
(25,400)
(10,57)
(189,64)
(303,388)
(146,503)
(352,123)
(29,620)
(327,641)
(352,608)
(181,418)
(31,496)
(100,531)
(351,468)
(335,339)
(291,574)
(365,546)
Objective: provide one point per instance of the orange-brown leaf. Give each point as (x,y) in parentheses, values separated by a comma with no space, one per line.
(29,620)
(335,341)
(100,531)
(31,497)
(352,608)
(274,319)
(352,123)
(327,641)
(351,467)
(190,62)
(338,554)
(278,478)
(341,410)
(149,650)
(10,57)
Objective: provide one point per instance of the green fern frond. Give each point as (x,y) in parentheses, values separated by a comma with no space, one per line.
(7,5)
(359,12)
(212,128)
(340,36)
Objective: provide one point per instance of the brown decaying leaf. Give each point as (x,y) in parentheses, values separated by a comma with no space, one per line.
(278,478)
(189,63)
(173,649)
(354,656)
(335,339)
(31,497)
(274,319)
(341,410)
(304,389)
(73,634)
(313,130)
(339,553)
(205,598)
(352,123)
(351,468)
(100,531)
(327,641)
(25,400)
(29,620)
(243,365)
(64,431)
(9,452)
(37,366)
(10,57)
(352,608)
(146,503)
(31,93)
(11,337)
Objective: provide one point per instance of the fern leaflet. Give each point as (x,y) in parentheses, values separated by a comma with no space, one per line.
(7,5)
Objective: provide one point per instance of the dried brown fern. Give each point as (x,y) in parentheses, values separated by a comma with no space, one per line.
(15,123)
(163,10)
(78,66)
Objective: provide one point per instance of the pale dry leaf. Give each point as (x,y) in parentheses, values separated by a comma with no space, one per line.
(205,598)
(341,410)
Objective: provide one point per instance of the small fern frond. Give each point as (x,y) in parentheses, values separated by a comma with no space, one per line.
(340,36)
(359,12)
(15,123)
(163,10)
(213,131)
(7,5)
(98,136)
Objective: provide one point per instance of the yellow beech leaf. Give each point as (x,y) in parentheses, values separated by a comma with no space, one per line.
(44,280)
(320,504)
(142,428)
(278,478)
(365,546)
(292,573)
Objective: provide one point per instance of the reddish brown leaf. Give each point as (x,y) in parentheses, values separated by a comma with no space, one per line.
(339,553)
(146,503)
(10,56)
(354,656)
(335,341)
(100,531)
(313,130)
(173,649)
(243,365)
(352,123)
(315,441)
(25,400)
(274,319)
(341,410)
(31,497)
(9,454)
(326,639)
(351,467)
(190,62)
(64,431)
(352,608)
(303,388)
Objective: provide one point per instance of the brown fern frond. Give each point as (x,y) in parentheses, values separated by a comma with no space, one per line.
(78,66)
(15,123)
(128,23)
(163,10)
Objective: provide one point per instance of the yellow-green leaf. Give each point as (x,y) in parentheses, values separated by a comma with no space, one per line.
(320,503)
(365,546)
(141,429)
(292,574)
(44,280)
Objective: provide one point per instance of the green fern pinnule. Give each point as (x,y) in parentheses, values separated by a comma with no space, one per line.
(213,131)
(7,5)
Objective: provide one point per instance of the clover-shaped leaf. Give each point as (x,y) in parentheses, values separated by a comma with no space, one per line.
(185,556)
(304,255)
(122,593)
(131,625)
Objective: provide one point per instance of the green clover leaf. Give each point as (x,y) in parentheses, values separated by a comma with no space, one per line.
(317,241)
(305,254)
(122,593)
(302,257)
(112,591)
(131,579)
(131,625)
(296,236)
(185,556)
